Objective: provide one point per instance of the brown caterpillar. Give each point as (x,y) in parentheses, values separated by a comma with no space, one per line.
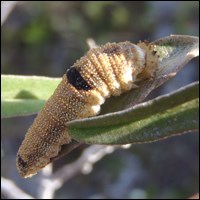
(104,71)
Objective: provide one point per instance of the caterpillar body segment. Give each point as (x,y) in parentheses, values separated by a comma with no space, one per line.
(48,132)
(103,72)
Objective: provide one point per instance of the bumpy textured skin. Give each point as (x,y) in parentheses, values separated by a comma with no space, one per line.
(104,71)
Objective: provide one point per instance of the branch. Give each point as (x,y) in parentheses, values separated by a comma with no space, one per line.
(11,191)
(6,9)
(84,164)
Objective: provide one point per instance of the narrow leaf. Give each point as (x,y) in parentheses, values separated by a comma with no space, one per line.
(22,95)
(162,117)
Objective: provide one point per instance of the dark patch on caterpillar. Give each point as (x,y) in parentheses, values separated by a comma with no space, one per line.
(75,79)
(21,161)
(113,50)
(154,52)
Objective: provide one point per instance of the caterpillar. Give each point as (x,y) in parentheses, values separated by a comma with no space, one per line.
(105,71)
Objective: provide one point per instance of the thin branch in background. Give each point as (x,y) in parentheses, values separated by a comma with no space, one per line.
(195,196)
(84,164)
(6,9)
(89,157)
(91,43)
(11,191)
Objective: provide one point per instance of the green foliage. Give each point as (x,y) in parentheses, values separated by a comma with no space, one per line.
(159,118)
(22,95)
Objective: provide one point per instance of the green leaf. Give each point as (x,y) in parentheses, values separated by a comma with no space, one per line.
(23,95)
(162,117)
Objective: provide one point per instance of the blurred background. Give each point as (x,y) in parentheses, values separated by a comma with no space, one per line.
(45,38)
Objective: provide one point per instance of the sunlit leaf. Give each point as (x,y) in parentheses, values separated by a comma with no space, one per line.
(22,95)
(162,117)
